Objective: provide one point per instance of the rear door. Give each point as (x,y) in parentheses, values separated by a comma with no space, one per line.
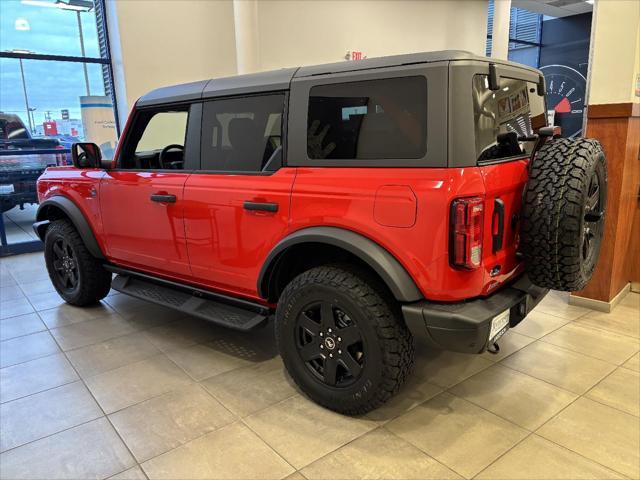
(237,202)
(505,123)
(142,200)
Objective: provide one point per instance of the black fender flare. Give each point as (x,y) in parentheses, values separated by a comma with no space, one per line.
(392,273)
(73,212)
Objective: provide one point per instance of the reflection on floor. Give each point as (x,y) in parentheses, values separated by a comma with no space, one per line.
(18,224)
(130,390)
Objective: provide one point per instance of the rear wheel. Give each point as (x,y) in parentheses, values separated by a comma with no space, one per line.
(76,275)
(342,340)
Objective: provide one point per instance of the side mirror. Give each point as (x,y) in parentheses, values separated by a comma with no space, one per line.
(86,155)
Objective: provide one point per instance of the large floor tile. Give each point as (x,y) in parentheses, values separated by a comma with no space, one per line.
(134,473)
(125,386)
(378,454)
(623,320)
(233,452)
(510,343)
(566,369)
(38,286)
(445,369)
(204,361)
(538,324)
(125,304)
(601,344)
(28,274)
(521,399)
(91,331)
(631,300)
(45,300)
(10,292)
(91,450)
(25,348)
(65,314)
(165,422)
(46,413)
(463,436)
(181,333)
(633,363)
(557,303)
(536,458)
(35,376)
(601,433)
(302,431)
(111,354)
(414,392)
(12,308)
(620,390)
(249,389)
(21,325)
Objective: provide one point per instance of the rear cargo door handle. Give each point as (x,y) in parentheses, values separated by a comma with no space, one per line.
(497,226)
(163,198)
(261,206)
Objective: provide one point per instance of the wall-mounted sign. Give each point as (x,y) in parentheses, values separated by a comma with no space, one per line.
(98,123)
(354,55)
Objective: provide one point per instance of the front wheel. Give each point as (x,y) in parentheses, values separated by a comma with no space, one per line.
(341,339)
(76,275)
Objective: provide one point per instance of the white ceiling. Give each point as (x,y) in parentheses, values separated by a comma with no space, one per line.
(554,8)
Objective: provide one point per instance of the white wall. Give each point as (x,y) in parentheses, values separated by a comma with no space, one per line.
(293,33)
(615,56)
(158,43)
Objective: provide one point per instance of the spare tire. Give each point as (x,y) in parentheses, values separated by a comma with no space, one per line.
(563,213)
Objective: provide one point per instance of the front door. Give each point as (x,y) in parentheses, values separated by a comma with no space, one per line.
(142,200)
(237,203)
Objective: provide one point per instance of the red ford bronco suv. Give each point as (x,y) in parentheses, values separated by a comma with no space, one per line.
(360,202)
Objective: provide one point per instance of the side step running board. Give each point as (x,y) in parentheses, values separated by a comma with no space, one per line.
(190,302)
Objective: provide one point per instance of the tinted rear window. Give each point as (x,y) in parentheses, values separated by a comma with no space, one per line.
(506,119)
(373,119)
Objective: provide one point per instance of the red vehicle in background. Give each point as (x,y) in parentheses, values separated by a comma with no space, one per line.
(360,203)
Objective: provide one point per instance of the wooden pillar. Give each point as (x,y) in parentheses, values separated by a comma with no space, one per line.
(617,127)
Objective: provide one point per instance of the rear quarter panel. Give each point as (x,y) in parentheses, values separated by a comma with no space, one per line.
(349,198)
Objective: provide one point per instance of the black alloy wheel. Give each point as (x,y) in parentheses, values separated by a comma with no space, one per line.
(593,218)
(342,338)
(65,266)
(330,343)
(78,277)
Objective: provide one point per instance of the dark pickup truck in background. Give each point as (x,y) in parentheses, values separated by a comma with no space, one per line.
(22,160)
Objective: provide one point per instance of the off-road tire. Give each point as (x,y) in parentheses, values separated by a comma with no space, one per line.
(388,350)
(554,209)
(94,282)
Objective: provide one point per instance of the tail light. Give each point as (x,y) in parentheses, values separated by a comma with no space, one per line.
(467,217)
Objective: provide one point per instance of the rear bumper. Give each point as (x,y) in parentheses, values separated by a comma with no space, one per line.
(465,326)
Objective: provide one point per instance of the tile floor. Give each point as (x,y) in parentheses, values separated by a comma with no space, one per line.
(129,390)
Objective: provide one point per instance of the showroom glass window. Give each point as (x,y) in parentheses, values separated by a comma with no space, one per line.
(56,89)
(372,119)
(506,119)
(242,134)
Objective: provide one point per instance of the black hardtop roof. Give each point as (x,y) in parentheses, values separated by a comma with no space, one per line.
(280,79)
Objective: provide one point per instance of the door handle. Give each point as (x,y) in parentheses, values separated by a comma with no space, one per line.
(260,206)
(163,198)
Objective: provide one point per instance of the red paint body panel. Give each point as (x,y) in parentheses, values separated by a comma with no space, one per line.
(207,238)
(227,244)
(139,232)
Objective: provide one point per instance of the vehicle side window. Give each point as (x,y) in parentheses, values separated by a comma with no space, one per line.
(157,140)
(372,119)
(507,119)
(242,134)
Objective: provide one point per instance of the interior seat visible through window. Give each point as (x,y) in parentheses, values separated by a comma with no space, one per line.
(242,134)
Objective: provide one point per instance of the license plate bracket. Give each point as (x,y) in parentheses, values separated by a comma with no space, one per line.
(499,325)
